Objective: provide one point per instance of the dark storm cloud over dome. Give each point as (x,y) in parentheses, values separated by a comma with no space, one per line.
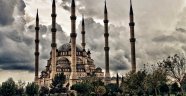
(158,23)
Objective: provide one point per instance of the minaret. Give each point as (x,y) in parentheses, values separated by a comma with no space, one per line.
(132,39)
(106,34)
(73,76)
(37,48)
(83,34)
(53,45)
(117,80)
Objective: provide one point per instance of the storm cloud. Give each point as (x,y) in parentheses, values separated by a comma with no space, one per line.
(160,31)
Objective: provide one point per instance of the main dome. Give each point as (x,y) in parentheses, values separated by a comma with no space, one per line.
(67,47)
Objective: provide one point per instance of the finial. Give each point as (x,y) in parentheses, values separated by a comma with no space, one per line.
(54,3)
(131,9)
(37,16)
(105,7)
(73,4)
(88,52)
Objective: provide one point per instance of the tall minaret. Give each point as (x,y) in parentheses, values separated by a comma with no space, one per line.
(83,34)
(53,45)
(37,48)
(132,39)
(107,73)
(73,76)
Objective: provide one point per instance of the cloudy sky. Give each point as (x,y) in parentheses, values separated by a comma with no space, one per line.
(160,31)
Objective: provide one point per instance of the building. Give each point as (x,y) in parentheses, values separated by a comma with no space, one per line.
(73,59)
(70,58)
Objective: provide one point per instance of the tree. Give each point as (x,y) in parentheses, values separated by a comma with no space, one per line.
(57,83)
(8,88)
(0,89)
(97,83)
(134,83)
(32,89)
(83,89)
(100,90)
(112,89)
(44,90)
(175,88)
(164,88)
(20,88)
(176,68)
(155,79)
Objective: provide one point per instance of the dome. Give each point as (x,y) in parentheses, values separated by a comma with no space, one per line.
(67,47)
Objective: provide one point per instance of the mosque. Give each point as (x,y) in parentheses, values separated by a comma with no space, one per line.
(72,59)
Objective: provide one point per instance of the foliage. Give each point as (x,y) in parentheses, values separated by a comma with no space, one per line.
(82,88)
(43,90)
(57,83)
(164,88)
(176,68)
(97,83)
(134,83)
(154,80)
(175,88)
(32,89)
(20,88)
(112,89)
(8,88)
(100,90)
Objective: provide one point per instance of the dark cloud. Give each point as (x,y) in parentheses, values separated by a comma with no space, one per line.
(7,8)
(180,30)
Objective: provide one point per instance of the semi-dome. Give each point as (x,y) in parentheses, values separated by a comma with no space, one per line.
(67,47)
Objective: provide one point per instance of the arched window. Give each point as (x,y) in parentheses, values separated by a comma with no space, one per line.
(79,61)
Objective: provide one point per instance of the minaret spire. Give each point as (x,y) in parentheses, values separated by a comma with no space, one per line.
(37,48)
(131,9)
(106,48)
(73,35)
(83,33)
(105,10)
(132,38)
(53,45)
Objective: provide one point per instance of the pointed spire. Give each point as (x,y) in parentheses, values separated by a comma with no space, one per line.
(131,9)
(37,16)
(105,11)
(54,3)
(83,21)
(73,4)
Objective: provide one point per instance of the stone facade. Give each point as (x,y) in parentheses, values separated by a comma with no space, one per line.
(84,65)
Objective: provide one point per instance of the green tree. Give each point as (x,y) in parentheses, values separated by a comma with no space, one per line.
(112,89)
(8,88)
(57,83)
(43,91)
(20,88)
(133,83)
(100,90)
(164,89)
(0,90)
(32,89)
(175,88)
(176,68)
(83,89)
(155,79)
